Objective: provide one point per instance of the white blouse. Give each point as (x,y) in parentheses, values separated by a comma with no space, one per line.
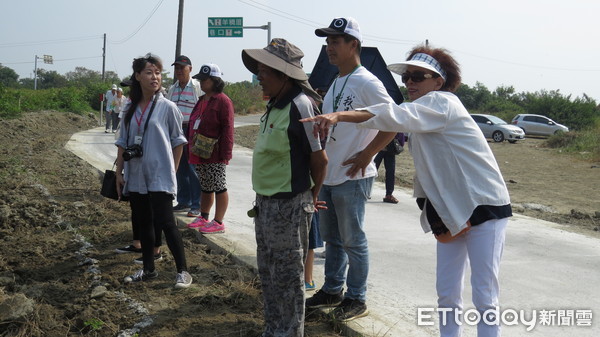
(454,165)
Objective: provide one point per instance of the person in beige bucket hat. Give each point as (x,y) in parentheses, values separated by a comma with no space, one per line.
(288,168)
(283,57)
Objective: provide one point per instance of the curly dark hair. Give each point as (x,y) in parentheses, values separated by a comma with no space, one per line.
(448,63)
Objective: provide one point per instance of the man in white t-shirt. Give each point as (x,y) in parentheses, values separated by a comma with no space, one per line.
(185,93)
(350,174)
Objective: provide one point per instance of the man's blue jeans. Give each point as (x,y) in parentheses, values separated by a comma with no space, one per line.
(188,185)
(342,228)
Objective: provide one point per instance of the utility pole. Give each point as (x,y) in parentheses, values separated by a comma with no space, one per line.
(48,60)
(179,29)
(266,27)
(268,32)
(35,74)
(103,57)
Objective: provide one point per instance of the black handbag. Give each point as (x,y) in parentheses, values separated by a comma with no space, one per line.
(109,186)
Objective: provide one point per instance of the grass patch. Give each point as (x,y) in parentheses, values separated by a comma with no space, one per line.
(586,143)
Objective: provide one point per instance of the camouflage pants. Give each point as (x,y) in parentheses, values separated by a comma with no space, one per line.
(282,240)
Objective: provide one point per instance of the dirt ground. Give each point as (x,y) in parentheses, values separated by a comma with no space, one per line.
(60,276)
(59,273)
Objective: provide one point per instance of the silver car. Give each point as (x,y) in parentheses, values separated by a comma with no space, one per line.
(538,125)
(497,129)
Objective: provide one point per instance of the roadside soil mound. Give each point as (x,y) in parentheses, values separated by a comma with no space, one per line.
(59,273)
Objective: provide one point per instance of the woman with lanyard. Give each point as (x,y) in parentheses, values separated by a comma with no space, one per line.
(212,117)
(149,149)
(458,183)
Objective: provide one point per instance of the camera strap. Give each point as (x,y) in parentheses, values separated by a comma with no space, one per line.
(147,119)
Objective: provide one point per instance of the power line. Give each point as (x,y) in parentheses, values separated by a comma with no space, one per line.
(272,10)
(314,24)
(376,38)
(141,26)
(36,43)
(54,60)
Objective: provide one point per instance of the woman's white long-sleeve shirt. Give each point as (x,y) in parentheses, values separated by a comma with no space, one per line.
(455,167)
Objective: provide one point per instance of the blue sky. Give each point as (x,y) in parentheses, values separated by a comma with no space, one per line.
(531,45)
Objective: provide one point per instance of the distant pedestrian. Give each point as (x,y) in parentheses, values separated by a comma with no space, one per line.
(149,149)
(120,103)
(185,92)
(314,242)
(388,156)
(212,117)
(288,167)
(458,184)
(110,116)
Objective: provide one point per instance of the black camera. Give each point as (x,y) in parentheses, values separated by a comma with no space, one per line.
(132,151)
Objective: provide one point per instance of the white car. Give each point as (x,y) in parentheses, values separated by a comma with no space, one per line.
(497,129)
(538,125)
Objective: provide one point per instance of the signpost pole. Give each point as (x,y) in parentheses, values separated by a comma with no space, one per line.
(232,27)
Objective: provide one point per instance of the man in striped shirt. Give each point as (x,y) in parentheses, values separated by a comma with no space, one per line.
(185,93)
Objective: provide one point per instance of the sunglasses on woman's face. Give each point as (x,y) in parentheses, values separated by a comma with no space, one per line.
(417,76)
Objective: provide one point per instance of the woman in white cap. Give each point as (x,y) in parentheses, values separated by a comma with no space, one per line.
(457,183)
(288,168)
(212,117)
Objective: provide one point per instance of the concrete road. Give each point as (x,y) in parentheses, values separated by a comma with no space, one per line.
(552,275)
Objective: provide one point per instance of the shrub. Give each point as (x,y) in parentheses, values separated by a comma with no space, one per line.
(246,97)
(585,142)
(15,101)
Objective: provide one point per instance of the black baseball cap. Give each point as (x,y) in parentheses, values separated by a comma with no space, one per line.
(183,60)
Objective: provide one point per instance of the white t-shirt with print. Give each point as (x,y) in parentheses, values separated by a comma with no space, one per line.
(361,89)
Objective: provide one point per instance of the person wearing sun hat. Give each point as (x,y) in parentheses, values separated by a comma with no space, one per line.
(458,184)
(350,174)
(212,117)
(109,114)
(288,167)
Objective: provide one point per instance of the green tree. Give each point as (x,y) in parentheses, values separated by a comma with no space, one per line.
(26,83)
(246,97)
(474,98)
(8,77)
(167,81)
(50,79)
(110,77)
(83,76)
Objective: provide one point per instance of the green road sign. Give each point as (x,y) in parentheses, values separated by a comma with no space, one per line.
(226,27)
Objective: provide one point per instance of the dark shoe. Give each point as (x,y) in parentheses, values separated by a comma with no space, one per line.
(180,207)
(128,249)
(349,309)
(193,213)
(322,299)
(141,276)
(391,199)
(140,260)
